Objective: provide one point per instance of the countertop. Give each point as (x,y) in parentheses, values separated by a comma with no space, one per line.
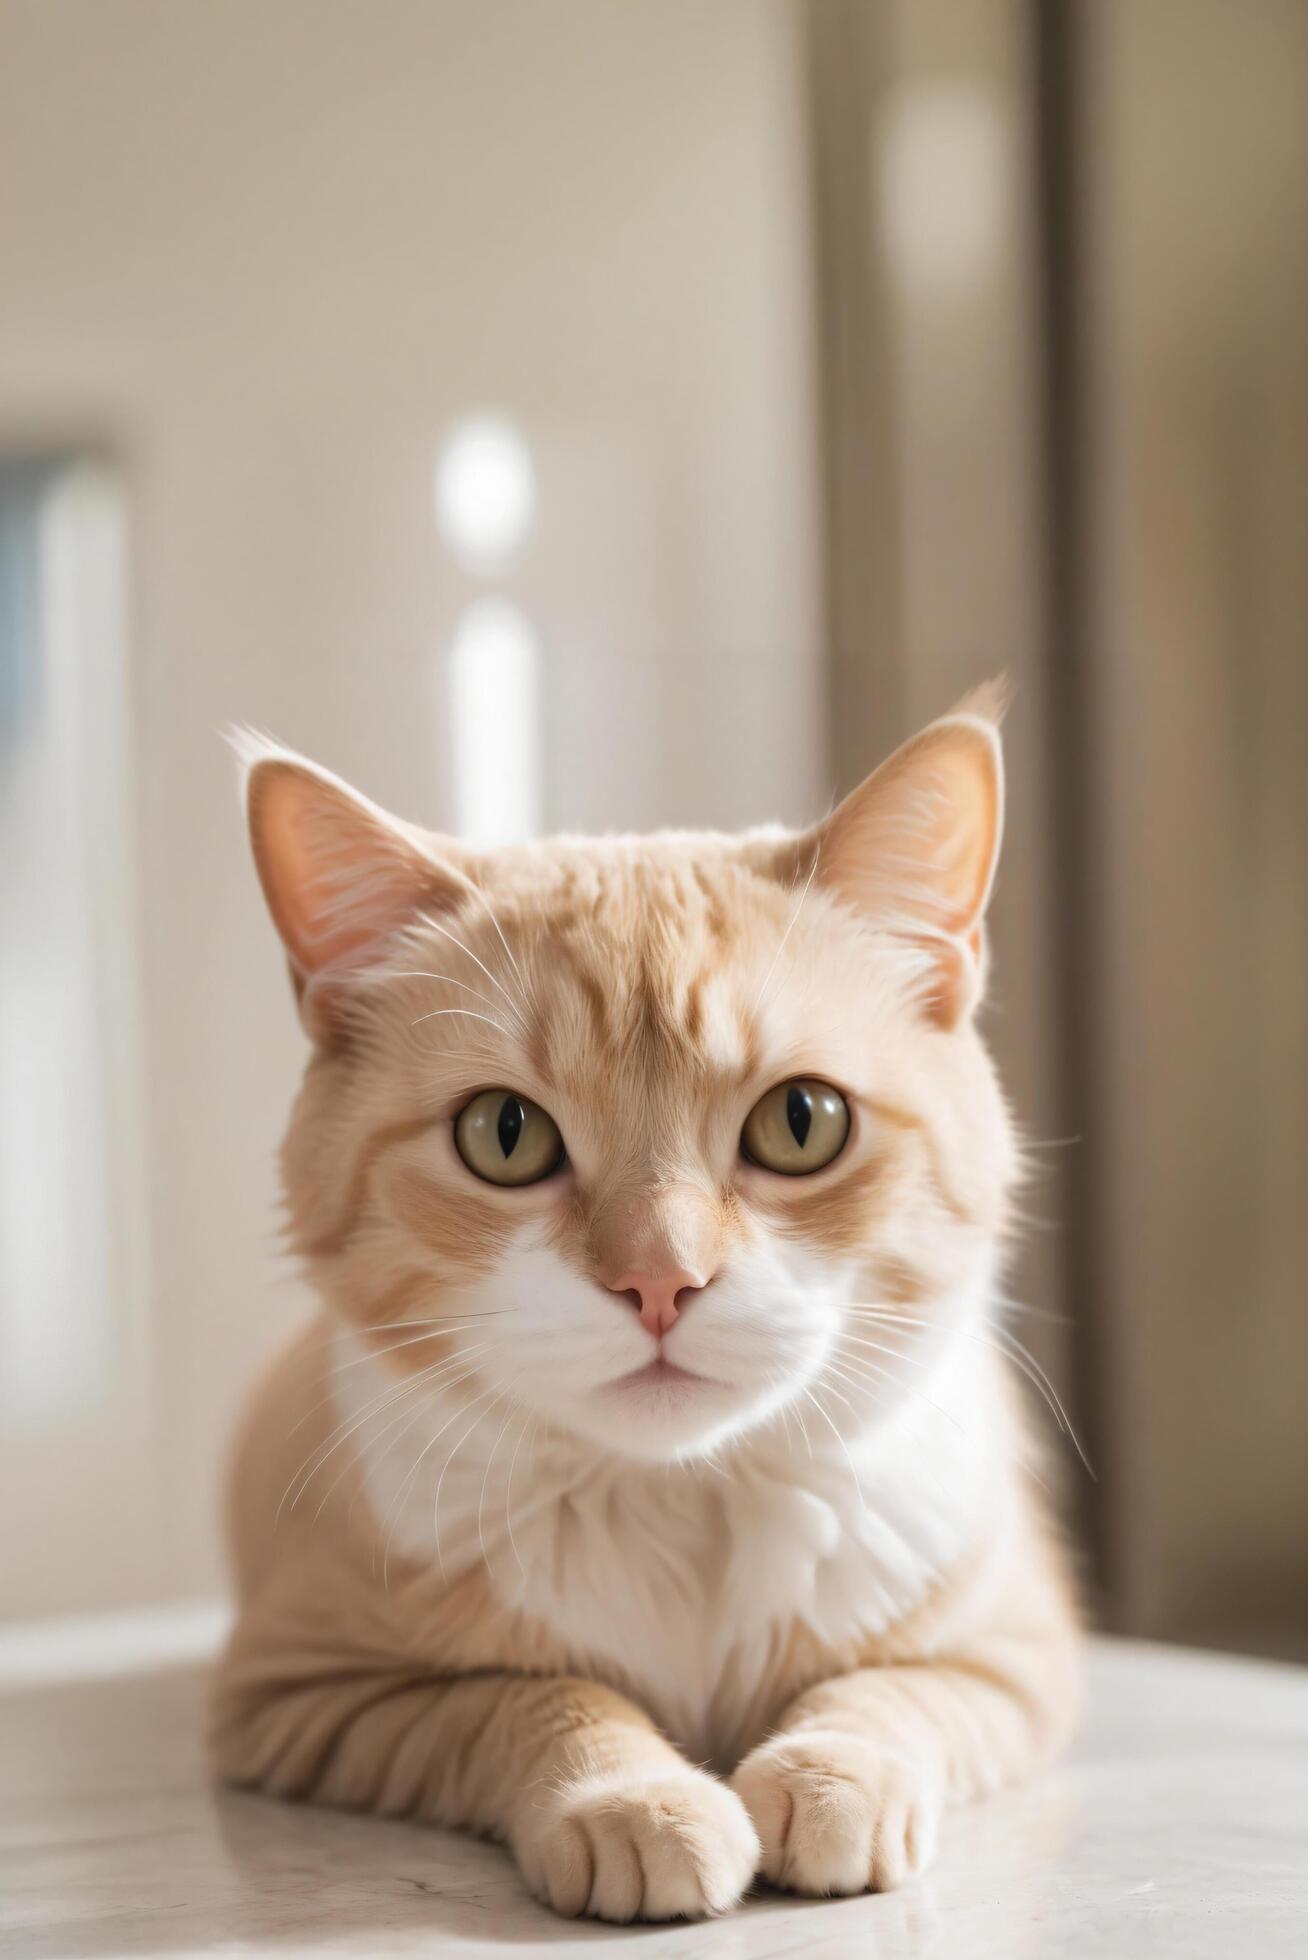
(1179,1826)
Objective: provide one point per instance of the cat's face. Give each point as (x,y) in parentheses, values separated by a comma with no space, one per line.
(648,1137)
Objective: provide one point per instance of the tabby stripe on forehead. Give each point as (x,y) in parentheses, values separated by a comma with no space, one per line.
(538,1040)
(337,1236)
(717,915)
(694,1010)
(596,998)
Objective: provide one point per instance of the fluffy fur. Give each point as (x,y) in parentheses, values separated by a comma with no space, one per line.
(768,1610)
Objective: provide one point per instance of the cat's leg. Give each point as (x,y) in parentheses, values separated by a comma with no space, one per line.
(848,1792)
(602,1814)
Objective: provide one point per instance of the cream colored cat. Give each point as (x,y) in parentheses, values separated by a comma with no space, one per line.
(649,1493)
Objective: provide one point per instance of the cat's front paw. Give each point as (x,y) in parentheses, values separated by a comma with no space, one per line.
(835,1814)
(677,1846)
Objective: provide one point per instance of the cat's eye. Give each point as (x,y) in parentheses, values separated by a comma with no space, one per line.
(505,1139)
(798,1127)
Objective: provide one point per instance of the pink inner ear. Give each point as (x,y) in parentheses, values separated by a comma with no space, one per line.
(960,835)
(916,844)
(338,878)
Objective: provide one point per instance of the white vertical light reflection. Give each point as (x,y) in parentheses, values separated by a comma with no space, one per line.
(71,1281)
(485,492)
(495,720)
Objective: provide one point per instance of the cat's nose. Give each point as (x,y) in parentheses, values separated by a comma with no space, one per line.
(660,1297)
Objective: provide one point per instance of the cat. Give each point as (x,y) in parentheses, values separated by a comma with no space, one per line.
(651,1494)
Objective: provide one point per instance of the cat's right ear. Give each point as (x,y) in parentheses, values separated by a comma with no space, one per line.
(342,878)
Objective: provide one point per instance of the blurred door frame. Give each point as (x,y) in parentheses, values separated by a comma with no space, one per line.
(1063,308)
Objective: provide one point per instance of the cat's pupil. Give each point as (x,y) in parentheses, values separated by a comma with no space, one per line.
(799,1113)
(509,1127)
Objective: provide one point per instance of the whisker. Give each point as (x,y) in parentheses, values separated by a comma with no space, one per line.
(321,1450)
(527,1420)
(783,1410)
(435,1320)
(1021,1355)
(481,1500)
(438,1377)
(840,1439)
(434,1333)
(790,927)
(849,1380)
(469,1014)
(885,1375)
(453,1452)
(341,1367)
(445,979)
(467,950)
(428,1447)
(896,1354)
(393,1510)
(1036,1313)
(394,1391)
(455,1381)
(406,1416)
(1004,1342)
(527,996)
(856,1371)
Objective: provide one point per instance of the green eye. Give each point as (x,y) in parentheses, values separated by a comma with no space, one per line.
(505,1139)
(796,1128)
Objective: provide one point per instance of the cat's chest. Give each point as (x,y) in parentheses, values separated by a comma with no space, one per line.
(690,1595)
(682,1583)
(679,1594)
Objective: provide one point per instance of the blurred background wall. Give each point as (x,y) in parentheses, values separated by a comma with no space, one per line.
(838,353)
(1063,280)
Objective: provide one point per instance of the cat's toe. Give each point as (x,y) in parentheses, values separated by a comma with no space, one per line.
(668,1847)
(836,1815)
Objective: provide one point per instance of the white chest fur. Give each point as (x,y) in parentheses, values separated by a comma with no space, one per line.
(675,1577)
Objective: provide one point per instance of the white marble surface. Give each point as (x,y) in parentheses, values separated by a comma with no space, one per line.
(1179,1827)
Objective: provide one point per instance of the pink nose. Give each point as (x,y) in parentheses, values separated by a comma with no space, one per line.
(660,1296)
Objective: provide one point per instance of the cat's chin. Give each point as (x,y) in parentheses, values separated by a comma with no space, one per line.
(662,1413)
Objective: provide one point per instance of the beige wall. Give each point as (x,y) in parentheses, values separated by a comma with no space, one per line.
(264,252)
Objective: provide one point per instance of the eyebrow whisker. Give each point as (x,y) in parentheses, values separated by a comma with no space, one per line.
(436,1013)
(794,917)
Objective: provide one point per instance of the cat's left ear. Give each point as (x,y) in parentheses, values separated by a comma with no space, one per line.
(915,848)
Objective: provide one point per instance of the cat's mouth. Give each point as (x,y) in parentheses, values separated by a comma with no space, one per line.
(662,1373)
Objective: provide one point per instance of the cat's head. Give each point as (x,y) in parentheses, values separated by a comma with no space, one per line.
(658,1138)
